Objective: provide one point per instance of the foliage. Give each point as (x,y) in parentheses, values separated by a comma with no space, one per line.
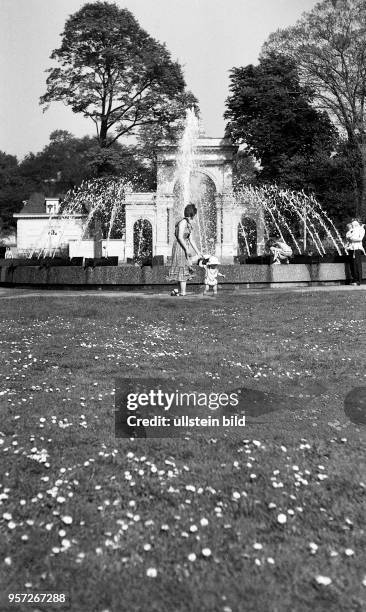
(62,163)
(66,161)
(271,113)
(328,45)
(111,71)
(297,145)
(11,191)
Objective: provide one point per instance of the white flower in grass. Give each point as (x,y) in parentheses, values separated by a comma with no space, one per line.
(364,581)
(11,525)
(192,557)
(257,546)
(151,572)
(193,528)
(7,516)
(65,544)
(8,561)
(206,552)
(349,552)
(281,518)
(236,495)
(147,547)
(67,520)
(323,580)
(313,547)
(204,522)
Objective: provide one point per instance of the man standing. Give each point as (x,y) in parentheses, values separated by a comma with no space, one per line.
(354,247)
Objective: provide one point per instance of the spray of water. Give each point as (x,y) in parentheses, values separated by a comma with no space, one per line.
(194,186)
(101,199)
(293,216)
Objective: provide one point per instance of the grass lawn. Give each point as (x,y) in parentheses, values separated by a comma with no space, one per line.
(269,519)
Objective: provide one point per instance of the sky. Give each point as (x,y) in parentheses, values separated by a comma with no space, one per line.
(207,37)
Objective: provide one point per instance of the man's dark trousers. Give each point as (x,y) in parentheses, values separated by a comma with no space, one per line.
(356,265)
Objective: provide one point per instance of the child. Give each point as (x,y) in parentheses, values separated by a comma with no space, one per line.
(280,251)
(354,236)
(8,253)
(211,273)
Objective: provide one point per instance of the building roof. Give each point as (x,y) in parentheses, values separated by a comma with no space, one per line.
(35,205)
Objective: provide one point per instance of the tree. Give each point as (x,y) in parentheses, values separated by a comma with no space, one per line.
(66,161)
(61,164)
(328,45)
(114,73)
(12,191)
(272,114)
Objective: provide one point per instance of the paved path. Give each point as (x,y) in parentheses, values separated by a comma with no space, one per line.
(15,293)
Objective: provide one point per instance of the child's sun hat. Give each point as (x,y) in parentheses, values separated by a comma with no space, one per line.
(213,261)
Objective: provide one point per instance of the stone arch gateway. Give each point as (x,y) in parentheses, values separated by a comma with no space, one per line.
(214,161)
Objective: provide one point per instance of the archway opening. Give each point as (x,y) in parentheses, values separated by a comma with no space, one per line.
(142,242)
(202,193)
(247,236)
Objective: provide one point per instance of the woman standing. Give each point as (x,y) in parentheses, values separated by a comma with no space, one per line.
(181,266)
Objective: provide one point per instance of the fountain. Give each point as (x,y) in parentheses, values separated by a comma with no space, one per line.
(106,217)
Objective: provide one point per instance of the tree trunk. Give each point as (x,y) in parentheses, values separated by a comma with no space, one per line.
(103,133)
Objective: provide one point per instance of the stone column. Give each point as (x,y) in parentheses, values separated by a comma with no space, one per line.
(218,245)
(129,231)
(260,233)
(164,225)
(97,238)
(227,251)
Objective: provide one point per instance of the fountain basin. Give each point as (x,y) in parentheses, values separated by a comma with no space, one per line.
(26,274)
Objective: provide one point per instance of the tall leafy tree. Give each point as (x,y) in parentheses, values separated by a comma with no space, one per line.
(328,45)
(12,191)
(111,71)
(272,114)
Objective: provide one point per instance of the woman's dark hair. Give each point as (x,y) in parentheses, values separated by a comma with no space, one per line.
(190,211)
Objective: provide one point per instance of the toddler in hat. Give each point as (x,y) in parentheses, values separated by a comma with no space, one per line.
(211,273)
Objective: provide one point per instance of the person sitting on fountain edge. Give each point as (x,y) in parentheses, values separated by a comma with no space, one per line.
(210,265)
(181,265)
(279,250)
(354,246)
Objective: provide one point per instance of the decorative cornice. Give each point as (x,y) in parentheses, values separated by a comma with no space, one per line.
(50,218)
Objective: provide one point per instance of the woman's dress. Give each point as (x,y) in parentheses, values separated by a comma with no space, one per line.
(179,268)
